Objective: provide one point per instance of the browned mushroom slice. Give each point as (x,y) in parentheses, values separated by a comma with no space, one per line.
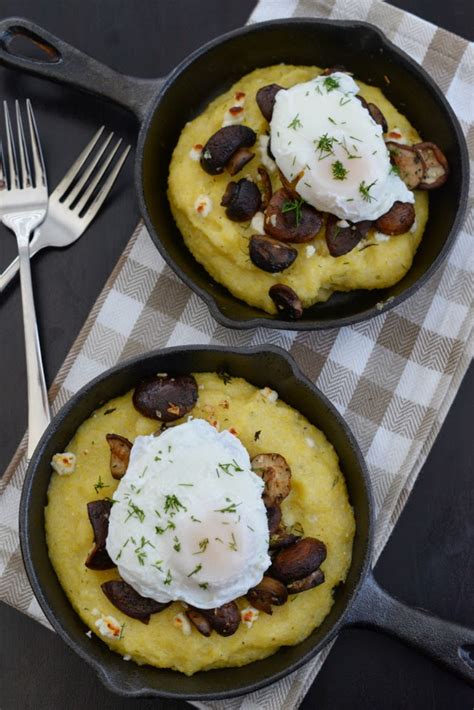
(332,70)
(436,166)
(239,160)
(200,621)
(341,240)
(291,220)
(242,200)
(276,474)
(375,112)
(224,619)
(221,146)
(99,512)
(166,398)
(290,185)
(284,537)
(271,255)
(273,518)
(398,220)
(130,602)
(266,186)
(268,592)
(298,560)
(266,99)
(409,162)
(287,302)
(302,585)
(120,448)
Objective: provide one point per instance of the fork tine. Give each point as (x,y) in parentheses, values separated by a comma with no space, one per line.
(37,153)
(86,196)
(12,164)
(87,173)
(73,171)
(3,177)
(106,187)
(26,180)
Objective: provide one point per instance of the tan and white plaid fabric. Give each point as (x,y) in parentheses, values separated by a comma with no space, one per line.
(393,378)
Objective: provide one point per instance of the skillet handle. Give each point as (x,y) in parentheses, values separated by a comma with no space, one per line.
(63,63)
(446,642)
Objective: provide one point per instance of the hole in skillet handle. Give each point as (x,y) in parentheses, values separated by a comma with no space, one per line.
(466,654)
(25,44)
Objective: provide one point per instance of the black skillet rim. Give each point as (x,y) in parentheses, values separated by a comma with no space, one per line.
(269,321)
(25,532)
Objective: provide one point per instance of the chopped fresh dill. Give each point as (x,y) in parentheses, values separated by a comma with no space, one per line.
(173,504)
(395,170)
(365,191)
(356,139)
(202,546)
(204,585)
(159,530)
(135,512)
(109,411)
(295,123)
(293,206)
(233,543)
(226,466)
(177,544)
(169,578)
(325,145)
(331,83)
(232,508)
(224,376)
(186,485)
(339,172)
(332,120)
(197,569)
(195,520)
(100,484)
(343,101)
(158,564)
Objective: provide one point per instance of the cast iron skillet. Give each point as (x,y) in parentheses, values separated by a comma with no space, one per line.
(163,109)
(360,601)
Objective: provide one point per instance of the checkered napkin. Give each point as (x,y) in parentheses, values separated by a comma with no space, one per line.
(393,377)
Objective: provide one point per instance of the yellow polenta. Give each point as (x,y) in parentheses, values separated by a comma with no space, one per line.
(221,246)
(318,500)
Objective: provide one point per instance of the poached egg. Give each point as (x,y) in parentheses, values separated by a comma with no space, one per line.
(188,522)
(327,143)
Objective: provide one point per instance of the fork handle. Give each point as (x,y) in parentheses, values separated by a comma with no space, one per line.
(38,408)
(13,267)
(63,63)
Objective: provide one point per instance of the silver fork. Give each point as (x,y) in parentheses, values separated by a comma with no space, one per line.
(23,205)
(64,223)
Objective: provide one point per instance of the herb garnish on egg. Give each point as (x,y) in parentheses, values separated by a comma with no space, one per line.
(339,172)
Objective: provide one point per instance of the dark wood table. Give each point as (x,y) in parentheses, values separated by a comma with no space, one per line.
(428,560)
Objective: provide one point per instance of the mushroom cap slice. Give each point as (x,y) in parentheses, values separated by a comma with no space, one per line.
(436,166)
(302,585)
(299,560)
(273,469)
(222,145)
(287,302)
(99,512)
(120,448)
(165,397)
(398,220)
(410,163)
(266,593)
(127,600)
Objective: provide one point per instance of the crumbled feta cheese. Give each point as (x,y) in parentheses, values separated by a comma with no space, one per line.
(270,394)
(64,464)
(311,443)
(109,627)
(379,237)
(203,205)
(342,223)
(233,116)
(201,387)
(95,612)
(89,634)
(396,135)
(249,616)
(182,622)
(310,251)
(265,159)
(196,152)
(127,657)
(273,220)
(413,227)
(257,223)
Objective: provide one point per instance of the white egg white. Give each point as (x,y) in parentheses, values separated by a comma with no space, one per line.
(189,521)
(319,131)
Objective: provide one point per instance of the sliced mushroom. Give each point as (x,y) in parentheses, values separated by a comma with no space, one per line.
(99,512)
(120,448)
(200,621)
(271,255)
(398,220)
(287,302)
(285,536)
(276,474)
(302,585)
(239,160)
(242,200)
(436,166)
(341,240)
(334,69)
(224,619)
(268,592)
(410,163)
(290,185)
(375,112)
(291,220)
(266,186)
(221,146)
(166,398)
(266,99)
(298,560)
(125,598)
(273,518)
